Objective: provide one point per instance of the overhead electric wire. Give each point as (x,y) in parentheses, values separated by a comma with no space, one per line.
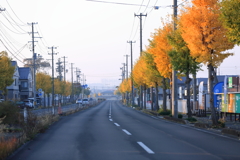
(11,52)
(12,25)
(153,7)
(115,3)
(42,39)
(10,38)
(140,7)
(147,6)
(6,13)
(19,51)
(6,41)
(15,13)
(10,29)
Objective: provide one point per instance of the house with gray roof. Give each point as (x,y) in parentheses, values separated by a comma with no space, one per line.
(26,83)
(13,89)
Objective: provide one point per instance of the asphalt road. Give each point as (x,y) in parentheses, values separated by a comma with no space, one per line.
(111,131)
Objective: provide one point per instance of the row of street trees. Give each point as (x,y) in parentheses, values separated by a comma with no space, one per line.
(43,80)
(6,72)
(206,30)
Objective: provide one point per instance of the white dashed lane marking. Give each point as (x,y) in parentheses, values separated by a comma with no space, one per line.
(128,133)
(145,148)
(117,124)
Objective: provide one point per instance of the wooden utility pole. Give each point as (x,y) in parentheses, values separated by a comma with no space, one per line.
(131,42)
(141,87)
(52,48)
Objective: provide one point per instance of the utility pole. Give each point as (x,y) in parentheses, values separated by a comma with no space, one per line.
(2,9)
(124,76)
(127,76)
(126,66)
(52,48)
(174,73)
(77,75)
(131,42)
(83,87)
(59,69)
(72,79)
(34,61)
(141,87)
(140,17)
(64,72)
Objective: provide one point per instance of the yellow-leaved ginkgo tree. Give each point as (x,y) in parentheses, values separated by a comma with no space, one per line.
(206,38)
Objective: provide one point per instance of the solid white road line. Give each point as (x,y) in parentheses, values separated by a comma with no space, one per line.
(145,148)
(128,133)
(154,117)
(201,130)
(117,124)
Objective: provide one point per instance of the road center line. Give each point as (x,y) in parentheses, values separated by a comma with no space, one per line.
(128,133)
(110,109)
(145,148)
(117,124)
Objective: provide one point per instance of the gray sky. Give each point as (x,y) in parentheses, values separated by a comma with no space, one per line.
(92,35)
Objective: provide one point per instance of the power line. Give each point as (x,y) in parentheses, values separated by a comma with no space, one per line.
(24,32)
(11,30)
(116,3)
(15,13)
(140,7)
(147,6)
(11,52)
(6,41)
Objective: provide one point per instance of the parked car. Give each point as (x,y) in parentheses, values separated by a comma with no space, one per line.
(79,101)
(28,103)
(85,101)
(20,104)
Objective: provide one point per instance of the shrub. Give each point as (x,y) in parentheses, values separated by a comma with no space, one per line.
(7,147)
(11,111)
(162,112)
(191,119)
(180,116)
(30,126)
(221,123)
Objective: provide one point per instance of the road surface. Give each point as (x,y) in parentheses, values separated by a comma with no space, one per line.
(111,131)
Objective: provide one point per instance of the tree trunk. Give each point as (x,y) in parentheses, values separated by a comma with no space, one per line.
(164,94)
(151,98)
(141,97)
(170,94)
(215,76)
(188,80)
(156,106)
(145,96)
(210,87)
(194,93)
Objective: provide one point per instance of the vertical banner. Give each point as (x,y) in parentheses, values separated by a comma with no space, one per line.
(200,96)
(237,103)
(225,90)
(224,104)
(231,105)
(217,98)
(230,82)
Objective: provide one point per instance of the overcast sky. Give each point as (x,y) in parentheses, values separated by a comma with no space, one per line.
(92,35)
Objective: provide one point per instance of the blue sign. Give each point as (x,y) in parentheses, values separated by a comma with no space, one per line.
(84,86)
(40,94)
(217,98)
